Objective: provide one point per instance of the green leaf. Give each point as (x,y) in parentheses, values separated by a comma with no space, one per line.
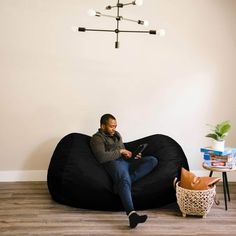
(225,128)
(214,136)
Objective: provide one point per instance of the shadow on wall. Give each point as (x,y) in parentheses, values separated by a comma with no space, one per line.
(40,157)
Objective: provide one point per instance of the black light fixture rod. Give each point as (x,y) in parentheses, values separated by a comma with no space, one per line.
(117,31)
(126,4)
(127,19)
(117,25)
(119,5)
(107,15)
(121,18)
(100,30)
(137,31)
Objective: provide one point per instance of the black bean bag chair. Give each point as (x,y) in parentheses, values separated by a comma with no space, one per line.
(75,177)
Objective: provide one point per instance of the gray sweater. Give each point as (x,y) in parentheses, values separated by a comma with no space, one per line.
(106,148)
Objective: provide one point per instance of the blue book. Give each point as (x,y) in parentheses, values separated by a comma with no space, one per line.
(227,151)
(207,157)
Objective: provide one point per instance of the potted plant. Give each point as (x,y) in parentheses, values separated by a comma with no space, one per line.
(218,134)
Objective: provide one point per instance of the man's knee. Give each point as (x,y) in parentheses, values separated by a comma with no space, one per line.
(152,160)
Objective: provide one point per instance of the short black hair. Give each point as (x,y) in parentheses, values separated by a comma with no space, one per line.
(104,119)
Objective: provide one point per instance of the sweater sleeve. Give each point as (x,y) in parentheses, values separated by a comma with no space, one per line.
(98,148)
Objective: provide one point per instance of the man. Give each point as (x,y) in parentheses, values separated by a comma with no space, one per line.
(110,151)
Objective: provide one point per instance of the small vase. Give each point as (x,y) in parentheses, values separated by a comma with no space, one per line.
(218,145)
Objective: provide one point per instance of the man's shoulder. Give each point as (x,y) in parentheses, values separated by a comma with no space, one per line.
(97,136)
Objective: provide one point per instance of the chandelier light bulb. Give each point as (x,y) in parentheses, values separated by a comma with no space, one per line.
(74,28)
(138,2)
(145,23)
(161,32)
(91,12)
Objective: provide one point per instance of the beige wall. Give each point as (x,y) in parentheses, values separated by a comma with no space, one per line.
(54,81)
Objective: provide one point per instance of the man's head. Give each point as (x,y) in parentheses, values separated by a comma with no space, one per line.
(108,124)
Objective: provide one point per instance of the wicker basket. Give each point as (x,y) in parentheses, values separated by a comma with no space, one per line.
(195,202)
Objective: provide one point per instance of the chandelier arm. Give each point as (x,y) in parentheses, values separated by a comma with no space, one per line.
(119,5)
(108,15)
(122,18)
(138,31)
(98,30)
(127,19)
(126,4)
(141,22)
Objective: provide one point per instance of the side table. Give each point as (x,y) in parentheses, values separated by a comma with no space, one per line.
(225,180)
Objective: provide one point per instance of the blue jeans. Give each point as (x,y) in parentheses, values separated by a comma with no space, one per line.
(124,173)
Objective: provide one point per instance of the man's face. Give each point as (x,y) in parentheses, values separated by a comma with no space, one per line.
(110,127)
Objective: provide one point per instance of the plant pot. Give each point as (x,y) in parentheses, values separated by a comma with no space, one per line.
(218,145)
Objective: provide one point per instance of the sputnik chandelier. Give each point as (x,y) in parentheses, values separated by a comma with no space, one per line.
(119,18)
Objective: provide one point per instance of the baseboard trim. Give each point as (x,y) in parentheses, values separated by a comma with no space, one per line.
(23,175)
(41,175)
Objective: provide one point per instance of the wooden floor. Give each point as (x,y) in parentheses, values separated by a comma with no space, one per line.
(27,209)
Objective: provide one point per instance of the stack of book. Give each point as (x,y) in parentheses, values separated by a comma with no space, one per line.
(219,159)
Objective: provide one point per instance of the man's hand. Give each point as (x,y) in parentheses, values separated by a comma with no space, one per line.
(126,153)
